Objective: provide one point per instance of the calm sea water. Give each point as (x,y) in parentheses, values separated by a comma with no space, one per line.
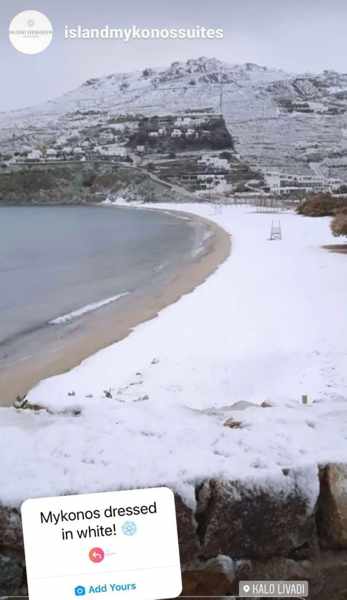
(57,260)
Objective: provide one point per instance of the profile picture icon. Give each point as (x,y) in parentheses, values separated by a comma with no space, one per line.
(80,590)
(30,32)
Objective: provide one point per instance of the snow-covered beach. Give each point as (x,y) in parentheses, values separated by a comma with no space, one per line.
(268,327)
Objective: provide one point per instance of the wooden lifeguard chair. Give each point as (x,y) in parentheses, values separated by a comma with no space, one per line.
(276,231)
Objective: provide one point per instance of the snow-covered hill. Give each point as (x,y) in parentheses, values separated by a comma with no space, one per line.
(157,90)
(276,119)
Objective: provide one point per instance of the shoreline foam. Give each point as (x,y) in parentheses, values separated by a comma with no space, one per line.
(79,312)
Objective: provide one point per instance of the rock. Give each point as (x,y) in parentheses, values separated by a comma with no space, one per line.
(141,398)
(332,513)
(251,521)
(11,575)
(12,552)
(242,405)
(214,577)
(327,574)
(199,584)
(275,568)
(187,532)
(11,535)
(233,424)
(20,402)
(266,404)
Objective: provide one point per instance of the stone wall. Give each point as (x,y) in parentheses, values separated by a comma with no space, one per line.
(239,531)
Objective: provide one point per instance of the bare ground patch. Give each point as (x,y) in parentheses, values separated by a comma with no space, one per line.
(339,248)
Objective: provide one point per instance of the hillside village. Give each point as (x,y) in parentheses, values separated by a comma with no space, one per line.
(194,150)
(205,126)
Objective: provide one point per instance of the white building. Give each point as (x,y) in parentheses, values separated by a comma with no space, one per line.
(212,181)
(61,141)
(112,150)
(51,154)
(106,138)
(183,121)
(25,150)
(35,155)
(190,132)
(273,182)
(334,183)
(285,183)
(176,133)
(214,162)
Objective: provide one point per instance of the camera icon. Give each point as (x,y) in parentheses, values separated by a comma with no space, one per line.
(80,590)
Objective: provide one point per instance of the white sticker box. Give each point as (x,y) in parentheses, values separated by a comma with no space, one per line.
(105,545)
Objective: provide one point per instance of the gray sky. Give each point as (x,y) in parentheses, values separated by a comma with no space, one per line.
(296,35)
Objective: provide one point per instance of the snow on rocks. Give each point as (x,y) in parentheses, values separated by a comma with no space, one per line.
(333,506)
(272,518)
(187,532)
(10,528)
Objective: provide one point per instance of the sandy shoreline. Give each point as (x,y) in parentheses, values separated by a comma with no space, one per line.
(115,322)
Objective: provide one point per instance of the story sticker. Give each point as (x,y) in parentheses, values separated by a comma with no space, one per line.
(118,544)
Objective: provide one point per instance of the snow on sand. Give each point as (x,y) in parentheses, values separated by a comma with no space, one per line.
(269,325)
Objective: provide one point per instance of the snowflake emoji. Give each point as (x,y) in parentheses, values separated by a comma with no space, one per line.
(129,528)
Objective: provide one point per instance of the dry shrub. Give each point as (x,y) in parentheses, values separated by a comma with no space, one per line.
(321,205)
(339,224)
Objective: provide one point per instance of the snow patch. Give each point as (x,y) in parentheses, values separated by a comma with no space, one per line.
(266,328)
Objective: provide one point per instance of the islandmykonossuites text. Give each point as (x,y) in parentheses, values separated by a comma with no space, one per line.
(143,33)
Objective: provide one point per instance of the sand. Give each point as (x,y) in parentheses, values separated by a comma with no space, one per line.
(114,322)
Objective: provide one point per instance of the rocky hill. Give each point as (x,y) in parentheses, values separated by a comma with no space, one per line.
(275,119)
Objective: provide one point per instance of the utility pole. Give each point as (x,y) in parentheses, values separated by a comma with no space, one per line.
(221,98)
(221,91)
